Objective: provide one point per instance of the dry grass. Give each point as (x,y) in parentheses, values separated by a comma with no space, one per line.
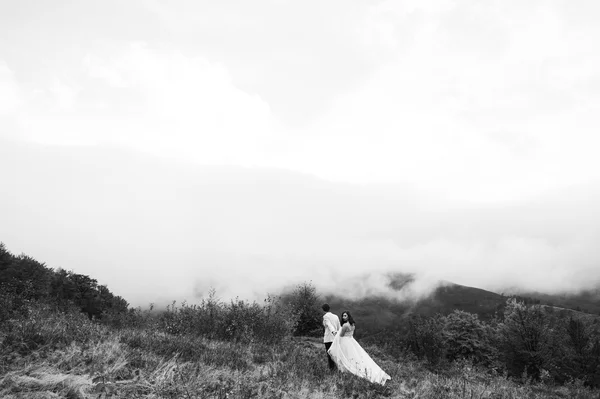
(141,364)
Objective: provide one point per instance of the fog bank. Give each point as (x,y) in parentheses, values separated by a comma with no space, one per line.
(155,230)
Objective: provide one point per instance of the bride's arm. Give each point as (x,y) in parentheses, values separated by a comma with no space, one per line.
(344,329)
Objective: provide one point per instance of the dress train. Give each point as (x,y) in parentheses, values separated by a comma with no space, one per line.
(349,356)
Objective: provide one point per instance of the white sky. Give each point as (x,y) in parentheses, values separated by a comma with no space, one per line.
(456,139)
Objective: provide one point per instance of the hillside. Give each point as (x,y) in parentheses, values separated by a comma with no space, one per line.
(587,301)
(86,359)
(378,313)
(450,297)
(49,348)
(144,363)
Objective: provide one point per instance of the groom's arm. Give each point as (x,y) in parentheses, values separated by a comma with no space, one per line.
(328,325)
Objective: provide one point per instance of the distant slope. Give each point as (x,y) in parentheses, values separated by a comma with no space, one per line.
(586,301)
(377,314)
(447,298)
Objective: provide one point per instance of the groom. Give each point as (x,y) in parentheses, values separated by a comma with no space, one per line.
(332,324)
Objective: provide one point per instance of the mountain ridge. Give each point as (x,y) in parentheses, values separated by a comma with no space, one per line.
(380,313)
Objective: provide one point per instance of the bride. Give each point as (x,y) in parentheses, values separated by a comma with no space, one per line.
(350,356)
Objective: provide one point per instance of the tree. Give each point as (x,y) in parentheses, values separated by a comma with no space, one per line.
(583,357)
(304,302)
(579,335)
(467,337)
(527,339)
(6,258)
(28,276)
(425,337)
(24,280)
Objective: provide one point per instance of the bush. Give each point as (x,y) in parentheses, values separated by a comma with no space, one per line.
(581,357)
(12,304)
(239,320)
(527,340)
(305,306)
(43,328)
(425,338)
(466,337)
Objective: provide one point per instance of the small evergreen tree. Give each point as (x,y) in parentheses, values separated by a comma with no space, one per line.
(305,305)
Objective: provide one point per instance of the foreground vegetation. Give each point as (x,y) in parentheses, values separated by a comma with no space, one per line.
(67,336)
(66,355)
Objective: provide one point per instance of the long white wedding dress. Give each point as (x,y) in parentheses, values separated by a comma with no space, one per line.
(350,356)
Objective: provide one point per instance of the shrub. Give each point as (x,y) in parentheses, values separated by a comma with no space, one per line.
(527,340)
(467,337)
(581,359)
(12,303)
(305,308)
(44,328)
(239,320)
(274,323)
(425,338)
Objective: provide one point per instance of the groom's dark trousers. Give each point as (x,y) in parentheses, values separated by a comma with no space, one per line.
(331,362)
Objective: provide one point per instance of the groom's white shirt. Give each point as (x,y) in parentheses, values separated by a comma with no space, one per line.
(331,323)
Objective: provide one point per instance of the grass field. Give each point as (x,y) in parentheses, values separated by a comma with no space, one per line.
(140,363)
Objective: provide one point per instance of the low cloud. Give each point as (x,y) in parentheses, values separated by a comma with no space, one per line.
(155,230)
(10,92)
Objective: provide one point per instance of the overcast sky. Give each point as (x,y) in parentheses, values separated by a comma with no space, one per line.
(166,147)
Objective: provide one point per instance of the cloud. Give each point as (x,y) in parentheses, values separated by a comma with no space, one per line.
(297,56)
(447,139)
(65,96)
(10,92)
(489,102)
(159,102)
(479,103)
(157,230)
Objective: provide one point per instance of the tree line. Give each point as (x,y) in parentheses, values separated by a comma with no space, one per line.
(24,280)
(527,342)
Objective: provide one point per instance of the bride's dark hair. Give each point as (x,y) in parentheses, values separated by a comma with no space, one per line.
(350,318)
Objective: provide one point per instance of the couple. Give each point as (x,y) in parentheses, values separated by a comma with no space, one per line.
(344,352)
